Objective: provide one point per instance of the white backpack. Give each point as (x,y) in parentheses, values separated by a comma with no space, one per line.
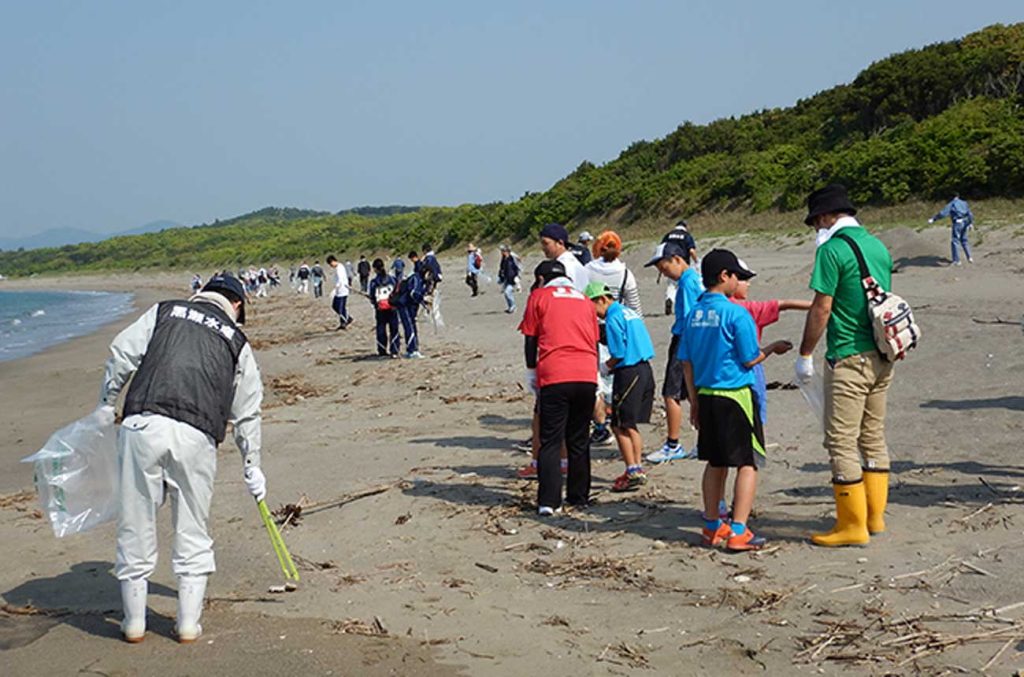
(891,317)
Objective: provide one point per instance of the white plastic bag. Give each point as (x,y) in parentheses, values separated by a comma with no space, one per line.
(814,394)
(76,475)
(435,311)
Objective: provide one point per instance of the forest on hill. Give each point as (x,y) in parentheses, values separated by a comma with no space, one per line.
(917,125)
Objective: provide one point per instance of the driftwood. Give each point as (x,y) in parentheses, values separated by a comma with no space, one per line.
(998,320)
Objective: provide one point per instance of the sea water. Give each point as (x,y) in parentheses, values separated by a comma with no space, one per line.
(31,321)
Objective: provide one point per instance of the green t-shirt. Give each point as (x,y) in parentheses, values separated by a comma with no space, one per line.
(836,274)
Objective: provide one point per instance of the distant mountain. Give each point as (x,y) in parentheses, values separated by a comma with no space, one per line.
(58,237)
(151,227)
(54,237)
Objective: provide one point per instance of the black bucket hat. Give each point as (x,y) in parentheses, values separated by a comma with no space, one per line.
(831,198)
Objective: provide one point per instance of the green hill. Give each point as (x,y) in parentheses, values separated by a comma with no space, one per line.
(915,126)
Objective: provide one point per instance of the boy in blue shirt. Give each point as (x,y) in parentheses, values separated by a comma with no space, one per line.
(631,351)
(719,350)
(673,263)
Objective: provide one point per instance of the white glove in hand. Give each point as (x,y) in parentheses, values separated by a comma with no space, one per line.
(105,414)
(256,483)
(804,368)
(931,220)
(530,382)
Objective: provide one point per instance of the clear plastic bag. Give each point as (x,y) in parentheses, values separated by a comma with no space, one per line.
(814,394)
(76,475)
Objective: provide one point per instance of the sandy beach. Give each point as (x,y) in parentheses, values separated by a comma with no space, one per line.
(421,553)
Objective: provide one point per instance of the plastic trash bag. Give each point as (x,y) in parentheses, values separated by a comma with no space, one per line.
(76,475)
(435,311)
(814,394)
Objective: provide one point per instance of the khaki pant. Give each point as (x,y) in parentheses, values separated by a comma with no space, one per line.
(855,390)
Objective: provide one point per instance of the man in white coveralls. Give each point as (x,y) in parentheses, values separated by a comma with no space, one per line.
(194,372)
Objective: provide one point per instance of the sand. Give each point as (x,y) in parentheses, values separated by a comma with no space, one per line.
(449,559)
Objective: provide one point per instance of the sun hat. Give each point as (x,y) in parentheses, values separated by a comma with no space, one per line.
(832,198)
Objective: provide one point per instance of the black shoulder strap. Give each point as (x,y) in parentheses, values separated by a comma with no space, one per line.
(622,287)
(861,263)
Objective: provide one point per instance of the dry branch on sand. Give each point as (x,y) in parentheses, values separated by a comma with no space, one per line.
(292,388)
(292,513)
(354,626)
(902,641)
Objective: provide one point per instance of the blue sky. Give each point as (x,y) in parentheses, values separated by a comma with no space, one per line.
(118,113)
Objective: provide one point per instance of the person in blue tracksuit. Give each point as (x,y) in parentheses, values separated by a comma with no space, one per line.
(962,220)
(407,304)
(382,286)
(430,269)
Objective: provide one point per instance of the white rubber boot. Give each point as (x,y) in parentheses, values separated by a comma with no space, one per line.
(191,591)
(133,600)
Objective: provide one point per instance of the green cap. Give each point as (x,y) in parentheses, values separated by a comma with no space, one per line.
(596,290)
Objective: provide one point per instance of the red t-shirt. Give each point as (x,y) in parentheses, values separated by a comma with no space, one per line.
(564,322)
(764,313)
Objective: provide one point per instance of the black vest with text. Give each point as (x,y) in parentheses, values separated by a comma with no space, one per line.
(188,371)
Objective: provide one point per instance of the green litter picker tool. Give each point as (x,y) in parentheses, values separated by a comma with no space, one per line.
(283,557)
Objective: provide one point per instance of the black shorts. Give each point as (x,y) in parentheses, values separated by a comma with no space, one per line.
(632,395)
(674,385)
(730,434)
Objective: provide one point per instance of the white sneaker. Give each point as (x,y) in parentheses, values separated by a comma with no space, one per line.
(133,600)
(191,591)
(548,511)
(415,355)
(668,452)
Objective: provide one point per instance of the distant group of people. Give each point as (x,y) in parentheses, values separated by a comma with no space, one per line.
(397,296)
(588,355)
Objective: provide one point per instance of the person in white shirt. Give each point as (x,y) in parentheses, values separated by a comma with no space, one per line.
(340,300)
(554,241)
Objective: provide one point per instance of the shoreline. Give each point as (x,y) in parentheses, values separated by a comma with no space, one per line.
(131,307)
(59,384)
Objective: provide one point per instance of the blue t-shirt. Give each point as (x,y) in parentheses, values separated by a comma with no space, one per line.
(690,289)
(720,338)
(628,340)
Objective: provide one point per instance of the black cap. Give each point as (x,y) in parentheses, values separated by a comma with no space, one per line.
(830,199)
(233,290)
(717,260)
(550,269)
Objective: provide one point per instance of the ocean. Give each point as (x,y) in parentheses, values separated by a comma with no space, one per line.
(31,321)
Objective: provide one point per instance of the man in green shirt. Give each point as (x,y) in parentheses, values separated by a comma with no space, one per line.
(857,377)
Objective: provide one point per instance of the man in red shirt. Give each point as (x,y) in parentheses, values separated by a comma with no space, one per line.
(560,330)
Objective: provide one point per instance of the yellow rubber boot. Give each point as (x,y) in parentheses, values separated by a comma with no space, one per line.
(876,486)
(851,527)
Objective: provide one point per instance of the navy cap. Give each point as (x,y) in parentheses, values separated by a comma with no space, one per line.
(556,232)
(666,250)
(228,283)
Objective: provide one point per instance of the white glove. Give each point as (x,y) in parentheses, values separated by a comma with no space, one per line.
(105,414)
(256,482)
(931,220)
(804,368)
(530,382)
(602,368)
